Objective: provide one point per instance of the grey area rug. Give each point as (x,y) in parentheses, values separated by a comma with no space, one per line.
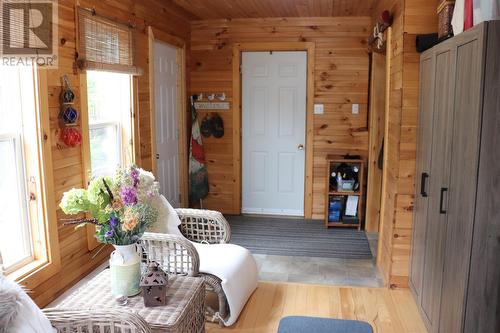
(297,237)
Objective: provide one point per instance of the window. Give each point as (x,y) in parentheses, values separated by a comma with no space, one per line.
(105,53)
(109,106)
(22,239)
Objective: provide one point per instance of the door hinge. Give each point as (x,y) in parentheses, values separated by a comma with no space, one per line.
(241,71)
(180,198)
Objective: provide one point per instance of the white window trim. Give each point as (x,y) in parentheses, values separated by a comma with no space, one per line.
(41,268)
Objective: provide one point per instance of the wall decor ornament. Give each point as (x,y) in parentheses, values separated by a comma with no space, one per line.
(68,116)
(71,137)
(67,95)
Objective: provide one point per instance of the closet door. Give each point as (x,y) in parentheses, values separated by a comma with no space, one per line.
(438,183)
(483,297)
(463,176)
(424,149)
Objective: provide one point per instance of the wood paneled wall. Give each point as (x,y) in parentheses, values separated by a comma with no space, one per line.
(411,17)
(341,79)
(76,259)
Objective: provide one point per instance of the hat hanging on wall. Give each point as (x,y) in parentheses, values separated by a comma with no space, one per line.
(218,126)
(206,127)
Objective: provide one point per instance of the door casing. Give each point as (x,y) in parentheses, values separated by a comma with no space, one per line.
(236,109)
(272,142)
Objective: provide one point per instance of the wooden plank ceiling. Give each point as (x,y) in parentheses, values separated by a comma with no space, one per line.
(229,9)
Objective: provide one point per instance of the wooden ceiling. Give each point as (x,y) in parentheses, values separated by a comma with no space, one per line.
(230,9)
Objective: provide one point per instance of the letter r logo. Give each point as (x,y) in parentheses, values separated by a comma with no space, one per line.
(27,27)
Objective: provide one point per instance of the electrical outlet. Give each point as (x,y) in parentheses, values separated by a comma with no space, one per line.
(355,109)
(319,109)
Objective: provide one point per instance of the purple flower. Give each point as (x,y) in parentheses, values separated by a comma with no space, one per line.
(135,176)
(113,221)
(129,195)
(109,234)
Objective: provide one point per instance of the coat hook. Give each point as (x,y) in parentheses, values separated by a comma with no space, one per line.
(211,97)
(222,97)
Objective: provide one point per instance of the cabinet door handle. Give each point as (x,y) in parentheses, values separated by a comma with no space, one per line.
(423,183)
(441,200)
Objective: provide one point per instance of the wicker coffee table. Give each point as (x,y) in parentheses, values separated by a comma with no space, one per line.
(184,312)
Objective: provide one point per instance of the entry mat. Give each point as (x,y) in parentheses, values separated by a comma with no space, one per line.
(297,237)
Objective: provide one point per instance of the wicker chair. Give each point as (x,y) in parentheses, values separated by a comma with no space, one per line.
(178,256)
(204,226)
(209,227)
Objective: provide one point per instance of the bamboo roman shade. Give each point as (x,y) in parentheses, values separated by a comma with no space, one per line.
(104,44)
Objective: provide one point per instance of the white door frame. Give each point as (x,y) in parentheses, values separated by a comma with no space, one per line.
(275,144)
(236,109)
(180,45)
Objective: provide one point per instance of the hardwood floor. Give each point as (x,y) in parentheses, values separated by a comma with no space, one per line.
(386,310)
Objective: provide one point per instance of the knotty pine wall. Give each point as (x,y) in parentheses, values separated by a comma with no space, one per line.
(76,259)
(341,79)
(411,17)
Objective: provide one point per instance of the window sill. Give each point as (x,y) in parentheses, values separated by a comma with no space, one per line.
(34,273)
(27,269)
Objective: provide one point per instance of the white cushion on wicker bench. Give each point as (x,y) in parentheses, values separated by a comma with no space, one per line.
(233,264)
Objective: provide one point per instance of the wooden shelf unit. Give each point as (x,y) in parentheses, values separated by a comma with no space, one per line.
(332,162)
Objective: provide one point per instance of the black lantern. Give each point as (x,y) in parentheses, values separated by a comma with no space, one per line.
(154,286)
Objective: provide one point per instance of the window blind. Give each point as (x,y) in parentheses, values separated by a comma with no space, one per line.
(104,44)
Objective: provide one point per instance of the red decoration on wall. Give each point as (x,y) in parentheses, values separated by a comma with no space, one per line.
(71,137)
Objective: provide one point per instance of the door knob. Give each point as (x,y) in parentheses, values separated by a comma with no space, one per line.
(300,147)
(157,156)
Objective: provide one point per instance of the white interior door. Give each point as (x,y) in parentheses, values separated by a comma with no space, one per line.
(167,134)
(273,133)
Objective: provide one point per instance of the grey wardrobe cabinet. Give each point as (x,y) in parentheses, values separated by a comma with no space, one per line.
(455,257)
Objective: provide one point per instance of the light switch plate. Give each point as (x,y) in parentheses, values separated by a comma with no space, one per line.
(355,108)
(319,108)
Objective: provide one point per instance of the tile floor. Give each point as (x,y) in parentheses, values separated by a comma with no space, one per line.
(348,272)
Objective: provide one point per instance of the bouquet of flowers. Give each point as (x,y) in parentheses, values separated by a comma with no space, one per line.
(121,206)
